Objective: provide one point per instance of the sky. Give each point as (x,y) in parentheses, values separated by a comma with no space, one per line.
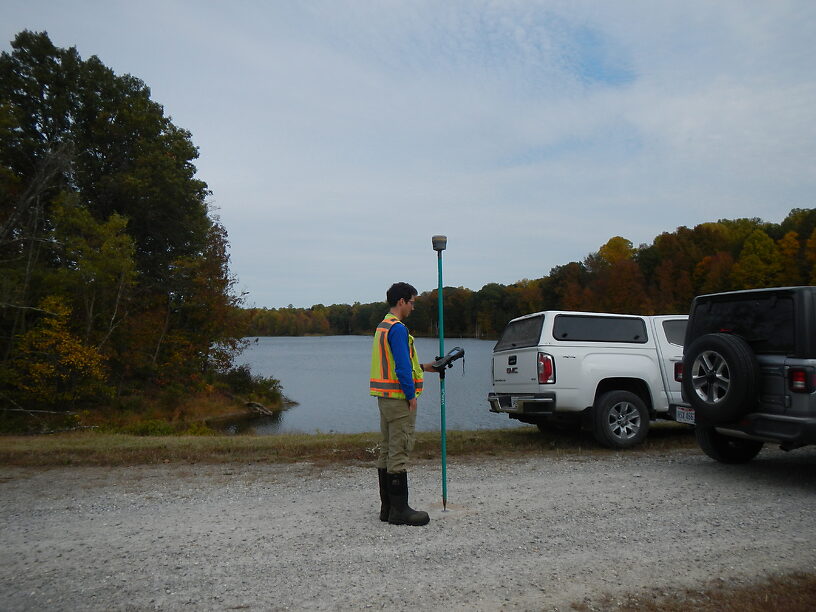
(337,137)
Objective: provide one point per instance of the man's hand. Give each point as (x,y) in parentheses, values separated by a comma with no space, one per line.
(412,404)
(428,367)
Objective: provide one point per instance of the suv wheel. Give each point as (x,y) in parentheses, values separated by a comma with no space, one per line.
(720,377)
(726,449)
(620,419)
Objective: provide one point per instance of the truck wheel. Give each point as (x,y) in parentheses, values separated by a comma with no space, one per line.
(720,377)
(620,419)
(726,449)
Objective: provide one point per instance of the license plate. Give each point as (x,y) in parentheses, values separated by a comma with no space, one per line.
(685,415)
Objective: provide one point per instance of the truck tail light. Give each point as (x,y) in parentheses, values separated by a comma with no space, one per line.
(678,371)
(546,369)
(798,380)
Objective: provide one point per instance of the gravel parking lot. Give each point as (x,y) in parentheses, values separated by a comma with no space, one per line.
(529,533)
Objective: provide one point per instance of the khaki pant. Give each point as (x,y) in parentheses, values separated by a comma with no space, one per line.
(397,426)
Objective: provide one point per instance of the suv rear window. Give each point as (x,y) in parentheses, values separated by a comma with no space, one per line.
(599,329)
(520,334)
(765,322)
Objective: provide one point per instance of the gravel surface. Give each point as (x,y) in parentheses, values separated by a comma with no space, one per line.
(529,533)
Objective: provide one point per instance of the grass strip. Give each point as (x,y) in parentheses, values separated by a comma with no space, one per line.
(783,593)
(93,448)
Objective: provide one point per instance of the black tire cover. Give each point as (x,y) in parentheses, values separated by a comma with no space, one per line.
(737,364)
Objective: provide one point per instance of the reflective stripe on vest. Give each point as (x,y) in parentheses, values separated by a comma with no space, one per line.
(383,381)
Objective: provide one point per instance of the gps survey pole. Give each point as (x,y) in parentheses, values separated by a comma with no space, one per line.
(439,245)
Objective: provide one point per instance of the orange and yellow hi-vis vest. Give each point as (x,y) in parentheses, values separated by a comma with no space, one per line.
(384,381)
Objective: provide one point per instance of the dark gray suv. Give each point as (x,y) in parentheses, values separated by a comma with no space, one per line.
(749,371)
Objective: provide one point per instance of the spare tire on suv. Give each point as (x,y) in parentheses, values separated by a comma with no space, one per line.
(749,370)
(720,378)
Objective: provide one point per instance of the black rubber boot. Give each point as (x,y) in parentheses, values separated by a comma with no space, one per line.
(385,500)
(401,513)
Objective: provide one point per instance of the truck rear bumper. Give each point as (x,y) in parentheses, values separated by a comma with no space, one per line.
(522,403)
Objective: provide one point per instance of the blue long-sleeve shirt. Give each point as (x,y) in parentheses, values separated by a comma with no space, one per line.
(398,341)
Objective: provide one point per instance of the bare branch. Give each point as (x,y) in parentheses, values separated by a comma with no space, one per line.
(48,312)
(51,166)
(37,411)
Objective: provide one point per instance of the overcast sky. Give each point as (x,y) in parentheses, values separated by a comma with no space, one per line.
(337,137)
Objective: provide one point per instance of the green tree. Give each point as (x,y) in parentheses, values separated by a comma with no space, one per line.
(494,307)
(799,220)
(527,295)
(759,262)
(731,234)
(790,271)
(616,249)
(96,269)
(81,127)
(366,317)
(810,256)
(100,209)
(339,316)
(201,308)
(423,319)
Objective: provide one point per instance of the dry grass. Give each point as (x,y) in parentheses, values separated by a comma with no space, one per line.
(788,593)
(194,408)
(91,448)
(147,413)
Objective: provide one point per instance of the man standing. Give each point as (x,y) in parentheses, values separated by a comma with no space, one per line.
(396,381)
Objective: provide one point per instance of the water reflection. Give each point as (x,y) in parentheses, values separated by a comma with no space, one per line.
(248,423)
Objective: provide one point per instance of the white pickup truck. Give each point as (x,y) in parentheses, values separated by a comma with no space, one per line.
(610,373)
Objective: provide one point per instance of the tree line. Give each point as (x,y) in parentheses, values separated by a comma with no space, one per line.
(114,273)
(657,278)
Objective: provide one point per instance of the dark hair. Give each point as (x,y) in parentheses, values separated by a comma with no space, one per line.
(400,291)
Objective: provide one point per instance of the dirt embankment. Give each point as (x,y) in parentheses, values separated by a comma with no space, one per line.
(531,533)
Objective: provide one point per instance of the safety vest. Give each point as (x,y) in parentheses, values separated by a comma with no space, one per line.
(384,381)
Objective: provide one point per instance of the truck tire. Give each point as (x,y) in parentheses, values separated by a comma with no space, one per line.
(720,378)
(620,419)
(726,449)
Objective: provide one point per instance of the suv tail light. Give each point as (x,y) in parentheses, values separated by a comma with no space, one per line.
(798,380)
(678,371)
(546,369)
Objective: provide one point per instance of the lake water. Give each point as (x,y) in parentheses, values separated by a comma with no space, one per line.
(328,377)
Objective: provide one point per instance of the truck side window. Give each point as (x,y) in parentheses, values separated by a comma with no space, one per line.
(675,331)
(600,329)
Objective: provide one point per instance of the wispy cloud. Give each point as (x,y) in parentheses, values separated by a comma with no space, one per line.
(337,137)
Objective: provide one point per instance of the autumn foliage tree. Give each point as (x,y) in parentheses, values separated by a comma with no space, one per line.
(662,277)
(52,366)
